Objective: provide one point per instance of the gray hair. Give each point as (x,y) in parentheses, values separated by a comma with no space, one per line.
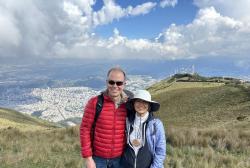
(117,68)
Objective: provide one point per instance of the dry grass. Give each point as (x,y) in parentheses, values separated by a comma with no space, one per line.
(208,148)
(52,148)
(165,87)
(187,147)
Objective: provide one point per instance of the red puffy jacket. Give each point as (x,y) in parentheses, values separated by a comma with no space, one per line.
(109,140)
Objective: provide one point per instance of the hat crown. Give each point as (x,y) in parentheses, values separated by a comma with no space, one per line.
(143,95)
(146,96)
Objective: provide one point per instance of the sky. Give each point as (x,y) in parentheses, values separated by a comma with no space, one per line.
(126,29)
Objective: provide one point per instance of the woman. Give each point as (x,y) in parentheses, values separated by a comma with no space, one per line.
(146,142)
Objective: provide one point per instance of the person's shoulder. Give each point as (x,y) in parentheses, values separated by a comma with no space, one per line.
(156,121)
(93,99)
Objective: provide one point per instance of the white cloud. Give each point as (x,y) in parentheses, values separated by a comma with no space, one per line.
(141,9)
(84,5)
(72,9)
(238,10)
(41,28)
(65,29)
(28,27)
(210,34)
(167,3)
(111,11)
(108,13)
(10,35)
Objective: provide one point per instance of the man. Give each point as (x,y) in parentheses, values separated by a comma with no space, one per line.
(109,134)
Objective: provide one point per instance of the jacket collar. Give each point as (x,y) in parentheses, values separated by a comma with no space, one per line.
(124,96)
(131,116)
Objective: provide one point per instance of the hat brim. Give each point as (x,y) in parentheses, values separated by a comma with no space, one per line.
(154,106)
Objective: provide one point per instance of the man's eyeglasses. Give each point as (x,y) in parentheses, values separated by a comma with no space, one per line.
(118,83)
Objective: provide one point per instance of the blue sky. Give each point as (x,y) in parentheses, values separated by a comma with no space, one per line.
(163,30)
(150,24)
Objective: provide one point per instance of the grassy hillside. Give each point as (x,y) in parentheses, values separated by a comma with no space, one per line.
(207,123)
(52,148)
(30,142)
(10,118)
(203,103)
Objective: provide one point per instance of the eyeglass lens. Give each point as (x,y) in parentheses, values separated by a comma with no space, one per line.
(118,83)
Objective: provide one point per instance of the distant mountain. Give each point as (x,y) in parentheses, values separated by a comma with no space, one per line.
(193,100)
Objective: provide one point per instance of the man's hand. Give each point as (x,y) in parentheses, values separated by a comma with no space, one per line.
(90,163)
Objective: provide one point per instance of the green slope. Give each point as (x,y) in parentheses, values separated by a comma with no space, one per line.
(11,118)
(203,103)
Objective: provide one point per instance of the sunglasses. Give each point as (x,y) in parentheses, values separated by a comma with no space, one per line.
(118,83)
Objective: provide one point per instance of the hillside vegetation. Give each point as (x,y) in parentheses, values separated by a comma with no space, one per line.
(10,118)
(207,123)
(189,101)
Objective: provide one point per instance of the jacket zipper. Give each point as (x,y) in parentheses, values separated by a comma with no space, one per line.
(128,134)
(135,161)
(144,129)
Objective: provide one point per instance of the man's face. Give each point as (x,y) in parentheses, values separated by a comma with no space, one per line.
(115,83)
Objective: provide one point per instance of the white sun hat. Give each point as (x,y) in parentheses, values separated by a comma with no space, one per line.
(146,96)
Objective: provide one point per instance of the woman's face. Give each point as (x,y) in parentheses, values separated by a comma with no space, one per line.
(141,106)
